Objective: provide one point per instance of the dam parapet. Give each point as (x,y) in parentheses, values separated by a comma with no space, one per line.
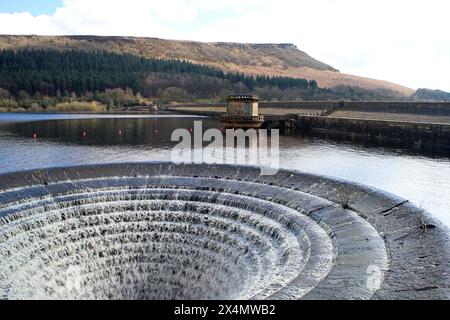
(417,125)
(412,108)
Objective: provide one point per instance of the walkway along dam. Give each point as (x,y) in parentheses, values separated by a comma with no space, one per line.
(165,231)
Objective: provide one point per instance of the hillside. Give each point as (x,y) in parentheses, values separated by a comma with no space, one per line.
(431,95)
(251,59)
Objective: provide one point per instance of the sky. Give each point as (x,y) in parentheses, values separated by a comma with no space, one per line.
(403,41)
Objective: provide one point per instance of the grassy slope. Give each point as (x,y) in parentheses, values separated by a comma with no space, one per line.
(268,59)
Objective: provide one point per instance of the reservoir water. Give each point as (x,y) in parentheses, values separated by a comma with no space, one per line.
(65,140)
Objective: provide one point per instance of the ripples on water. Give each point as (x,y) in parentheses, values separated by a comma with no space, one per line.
(423,180)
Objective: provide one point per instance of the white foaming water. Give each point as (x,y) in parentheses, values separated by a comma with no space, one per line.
(152,243)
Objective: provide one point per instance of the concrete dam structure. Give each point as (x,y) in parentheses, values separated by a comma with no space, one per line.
(165,231)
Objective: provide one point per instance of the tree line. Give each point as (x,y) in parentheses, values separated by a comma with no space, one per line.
(52,73)
(40,79)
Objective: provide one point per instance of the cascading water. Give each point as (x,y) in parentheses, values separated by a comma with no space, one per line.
(158,231)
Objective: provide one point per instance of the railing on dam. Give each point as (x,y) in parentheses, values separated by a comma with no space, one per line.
(435,108)
(412,107)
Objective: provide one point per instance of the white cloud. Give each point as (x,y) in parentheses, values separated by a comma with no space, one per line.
(402,41)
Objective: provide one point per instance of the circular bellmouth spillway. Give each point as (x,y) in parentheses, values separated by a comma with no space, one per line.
(164,231)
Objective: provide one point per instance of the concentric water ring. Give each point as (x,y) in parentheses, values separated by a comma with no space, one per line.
(163,231)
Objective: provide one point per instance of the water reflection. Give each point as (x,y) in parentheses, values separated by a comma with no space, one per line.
(155,132)
(438,150)
(425,180)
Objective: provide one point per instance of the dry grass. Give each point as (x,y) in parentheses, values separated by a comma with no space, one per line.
(202,109)
(263,111)
(79,106)
(283,111)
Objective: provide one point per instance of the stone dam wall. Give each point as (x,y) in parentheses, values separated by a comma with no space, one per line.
(420,135)
(430,137)
(424,108)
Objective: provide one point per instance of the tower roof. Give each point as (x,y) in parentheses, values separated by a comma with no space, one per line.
(242,97)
